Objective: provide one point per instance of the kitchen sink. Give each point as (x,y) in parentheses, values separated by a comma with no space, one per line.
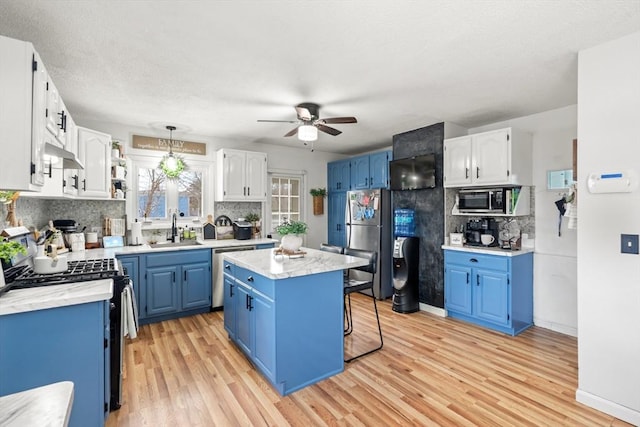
(175,244)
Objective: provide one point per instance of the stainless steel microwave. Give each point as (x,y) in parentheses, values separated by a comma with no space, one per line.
(482,200)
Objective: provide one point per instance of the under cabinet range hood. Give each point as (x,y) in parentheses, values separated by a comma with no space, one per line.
(69,160)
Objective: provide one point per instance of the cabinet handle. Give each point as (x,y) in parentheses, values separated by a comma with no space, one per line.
(227,266)
(174,277)
(477,172)
(366,181)
(477,280)
(250,279)
(248,191)
(250,302)
(466,173)
(185,276)
(473,260)
(61,124)
(84,185)
(230,290)
(467,277)
(246,302)
(75,182)
(244,191)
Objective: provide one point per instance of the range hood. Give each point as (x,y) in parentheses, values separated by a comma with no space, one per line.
(69,160)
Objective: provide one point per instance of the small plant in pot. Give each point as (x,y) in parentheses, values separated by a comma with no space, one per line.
(290,232)
(318,195)
(8,250)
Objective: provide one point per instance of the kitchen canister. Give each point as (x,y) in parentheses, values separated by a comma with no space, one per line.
(76,241)
(91,237)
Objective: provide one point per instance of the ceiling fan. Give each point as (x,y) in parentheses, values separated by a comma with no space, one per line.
(309,122)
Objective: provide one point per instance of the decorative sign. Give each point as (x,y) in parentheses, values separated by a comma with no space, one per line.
(162,144)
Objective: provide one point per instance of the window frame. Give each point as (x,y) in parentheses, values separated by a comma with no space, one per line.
(289,174)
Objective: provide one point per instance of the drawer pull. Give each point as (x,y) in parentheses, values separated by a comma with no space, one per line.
(227,266)
(230,290)
(250,279)
(473,260)
(477,280)
(467,277)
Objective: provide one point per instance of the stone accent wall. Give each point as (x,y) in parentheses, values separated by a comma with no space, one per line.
(429,209)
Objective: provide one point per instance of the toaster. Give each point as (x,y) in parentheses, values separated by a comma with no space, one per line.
(242,230)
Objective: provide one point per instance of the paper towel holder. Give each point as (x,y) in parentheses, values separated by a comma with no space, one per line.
(136,234)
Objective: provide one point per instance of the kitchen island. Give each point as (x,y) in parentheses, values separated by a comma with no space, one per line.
(286,313)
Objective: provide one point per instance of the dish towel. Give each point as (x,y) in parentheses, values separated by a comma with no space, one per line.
(129,312)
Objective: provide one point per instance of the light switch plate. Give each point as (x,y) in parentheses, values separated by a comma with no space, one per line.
(629,243)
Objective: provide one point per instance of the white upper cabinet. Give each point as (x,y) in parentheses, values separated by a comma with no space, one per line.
(241,176)
(71,180)
(500,157)
(21,162)
(94,152)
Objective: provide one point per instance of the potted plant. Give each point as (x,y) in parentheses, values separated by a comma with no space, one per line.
(254,219)
(9,249)
(318,195)
(290,232)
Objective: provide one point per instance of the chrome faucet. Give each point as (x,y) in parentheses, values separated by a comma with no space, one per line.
(174,227)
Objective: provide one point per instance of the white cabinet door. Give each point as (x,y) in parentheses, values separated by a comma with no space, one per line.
(256,168)
(52,116)
(241,176)
(234,167)
(71,179)
(39,121)
(94,151)
(62,119)
(491,157)
(457,161)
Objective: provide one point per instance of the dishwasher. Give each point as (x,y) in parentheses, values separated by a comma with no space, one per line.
(217,281)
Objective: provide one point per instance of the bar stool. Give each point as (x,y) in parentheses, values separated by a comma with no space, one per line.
(353,285)
(337,250)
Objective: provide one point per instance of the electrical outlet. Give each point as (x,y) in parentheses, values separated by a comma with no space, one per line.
(629,244)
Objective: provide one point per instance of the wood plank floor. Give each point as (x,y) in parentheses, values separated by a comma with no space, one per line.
(431,371)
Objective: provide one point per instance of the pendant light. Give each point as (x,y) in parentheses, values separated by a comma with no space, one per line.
(172,166)
(307,133)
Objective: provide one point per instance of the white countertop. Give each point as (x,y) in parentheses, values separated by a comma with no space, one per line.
(49,405)
(140,249)
(488,250)
(266,263)
(44,297)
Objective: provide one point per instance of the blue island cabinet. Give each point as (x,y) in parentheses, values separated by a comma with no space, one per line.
(291,329)
(493,291)
(68,343)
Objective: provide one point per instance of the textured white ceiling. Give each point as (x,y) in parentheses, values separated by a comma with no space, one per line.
(215,67)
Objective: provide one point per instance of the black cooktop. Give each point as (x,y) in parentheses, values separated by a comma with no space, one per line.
(77,271)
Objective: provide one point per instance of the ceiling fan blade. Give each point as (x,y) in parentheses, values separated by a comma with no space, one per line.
(303,113)
(327,129)
(292,132)
(332,120)
(278,121)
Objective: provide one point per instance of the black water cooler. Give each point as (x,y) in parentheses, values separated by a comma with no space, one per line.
(406,251)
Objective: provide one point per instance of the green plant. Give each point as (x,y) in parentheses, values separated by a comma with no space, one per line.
(6,196)
(9,249)
(252,217)
(318,192)
(291,227)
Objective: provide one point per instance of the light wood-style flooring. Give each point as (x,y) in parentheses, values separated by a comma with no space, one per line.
(431,371)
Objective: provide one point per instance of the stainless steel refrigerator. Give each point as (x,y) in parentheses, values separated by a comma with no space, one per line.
(369,226)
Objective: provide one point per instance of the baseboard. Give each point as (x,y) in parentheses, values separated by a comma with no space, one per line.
(608,407)
(557,327)
(433,310)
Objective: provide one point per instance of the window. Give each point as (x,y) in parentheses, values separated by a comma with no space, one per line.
(286,199)
(155,197)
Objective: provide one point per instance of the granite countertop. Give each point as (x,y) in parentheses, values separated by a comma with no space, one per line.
(266,263)
(49,405)
(44,297)
(489,250)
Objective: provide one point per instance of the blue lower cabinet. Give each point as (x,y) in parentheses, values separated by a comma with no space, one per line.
(60,344)
(490,290)
(291,329)
(336,227)
(174,284)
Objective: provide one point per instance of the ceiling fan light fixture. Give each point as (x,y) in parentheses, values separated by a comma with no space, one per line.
(307,133)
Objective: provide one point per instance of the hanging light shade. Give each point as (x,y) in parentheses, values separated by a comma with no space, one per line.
(307,133)
(172,166)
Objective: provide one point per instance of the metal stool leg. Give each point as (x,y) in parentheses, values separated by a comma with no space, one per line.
(348,317)
(375,307)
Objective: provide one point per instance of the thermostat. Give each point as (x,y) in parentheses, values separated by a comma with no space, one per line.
(613,182)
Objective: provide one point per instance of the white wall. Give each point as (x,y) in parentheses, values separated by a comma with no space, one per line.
(555,266)
(608,281)
(278,157)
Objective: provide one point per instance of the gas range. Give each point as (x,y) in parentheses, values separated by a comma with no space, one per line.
(23,276)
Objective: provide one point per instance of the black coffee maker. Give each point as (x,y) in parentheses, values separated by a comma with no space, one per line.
(477,227)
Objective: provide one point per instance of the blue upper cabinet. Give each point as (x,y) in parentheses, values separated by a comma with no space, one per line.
(370,171)
(338,176)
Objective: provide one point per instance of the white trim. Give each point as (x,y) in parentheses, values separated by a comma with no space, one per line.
(557,327)
(286,172)
(608,407)
(433,310)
